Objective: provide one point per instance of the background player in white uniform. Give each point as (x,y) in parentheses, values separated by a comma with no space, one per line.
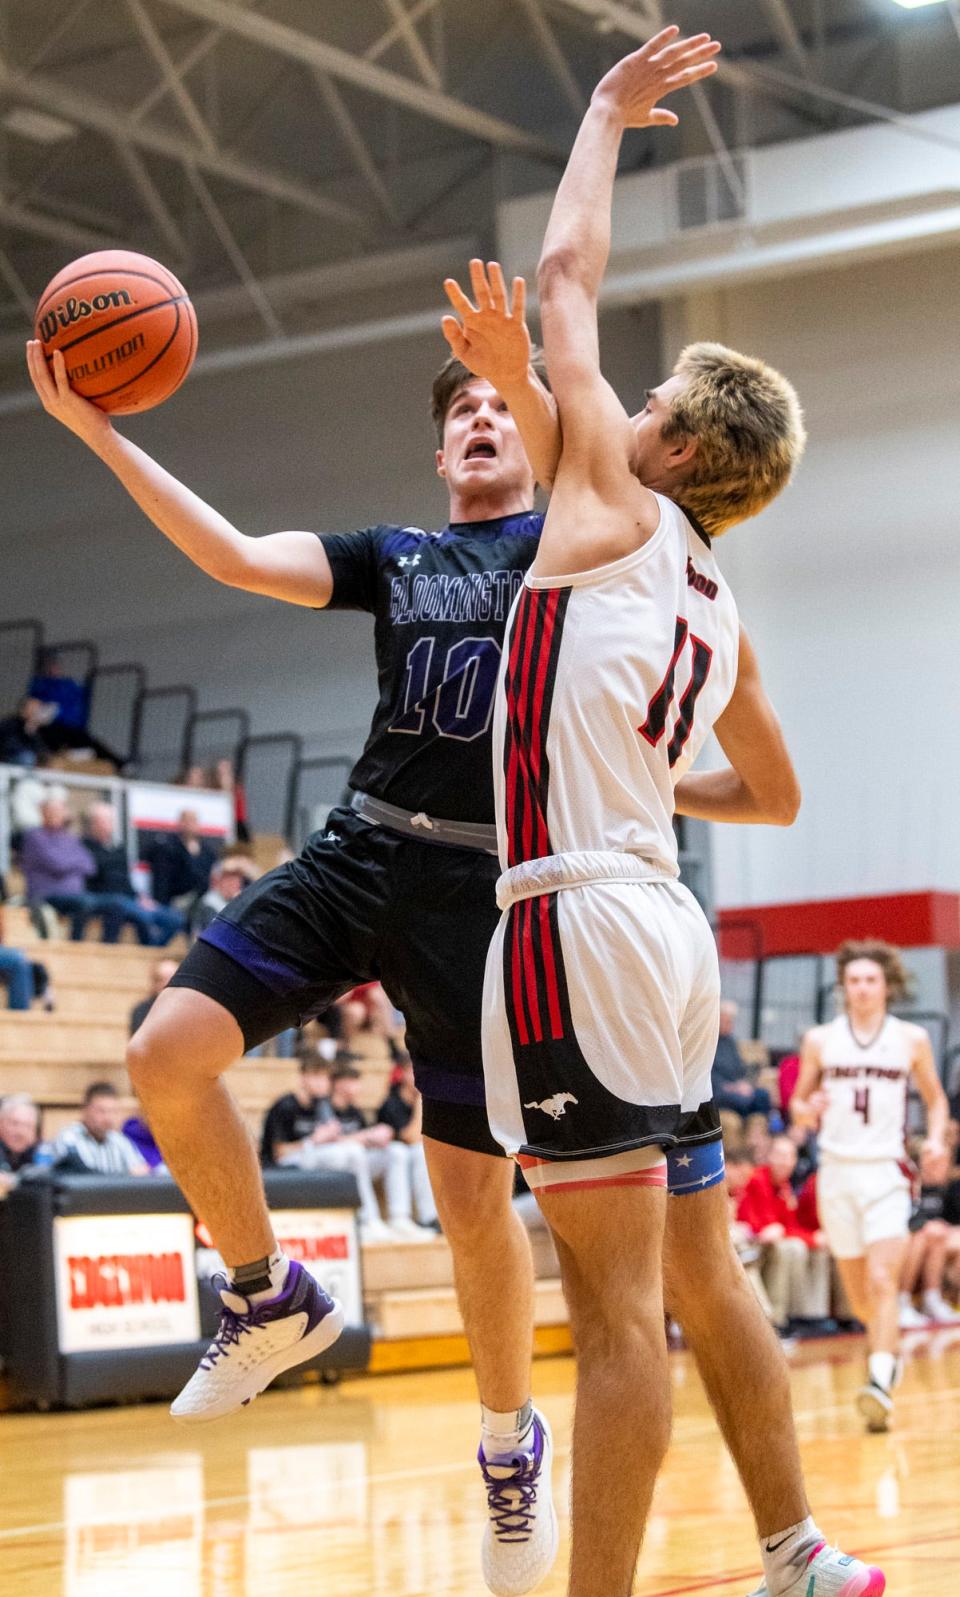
(593,738)
(853,1081)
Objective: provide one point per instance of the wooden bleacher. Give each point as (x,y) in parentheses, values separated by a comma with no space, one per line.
(408,1287)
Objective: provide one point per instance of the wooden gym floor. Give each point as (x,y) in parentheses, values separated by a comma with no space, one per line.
(369,1490)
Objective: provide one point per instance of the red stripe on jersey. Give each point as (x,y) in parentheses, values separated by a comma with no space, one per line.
(538,730)
(510,773)
(523,730)
(550,968)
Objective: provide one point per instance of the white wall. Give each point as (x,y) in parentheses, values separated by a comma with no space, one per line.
(850,584)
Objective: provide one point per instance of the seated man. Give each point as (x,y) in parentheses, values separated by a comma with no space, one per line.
(95,1144)
(402,1111)
(155,924)
(57,867)
(732,1087)
(181,864)
(796,1263)
(228,878)
(23,739)
(68,702)
(20,1145)
(302,1132)
(16,971)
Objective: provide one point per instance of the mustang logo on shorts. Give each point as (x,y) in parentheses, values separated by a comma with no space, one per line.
(555,1106)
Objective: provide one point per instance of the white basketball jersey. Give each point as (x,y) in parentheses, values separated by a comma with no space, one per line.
(611,681)
(866,1091)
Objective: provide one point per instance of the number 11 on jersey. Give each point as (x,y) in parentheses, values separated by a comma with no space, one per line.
(658,709)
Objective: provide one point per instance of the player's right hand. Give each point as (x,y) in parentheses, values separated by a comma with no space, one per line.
(59,400)
(491,337)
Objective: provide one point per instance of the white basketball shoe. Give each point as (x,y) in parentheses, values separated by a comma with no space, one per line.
(522,1537)
(831,1573)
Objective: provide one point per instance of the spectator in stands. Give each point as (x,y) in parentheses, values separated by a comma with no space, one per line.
(402,1111)
(224,777)
(69,701)
(94,1144)
(155,924)
(732,1088)
(925,1263)
(228,878)
(387,1159)
(20,1145)
(17,973)
(181,864)
(27,797)
(57,867)
(302,1132)
(160,975)
(23,736)
(796,1264)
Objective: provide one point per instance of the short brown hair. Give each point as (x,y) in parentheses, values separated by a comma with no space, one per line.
(898,978)
(749,429)
(454,375)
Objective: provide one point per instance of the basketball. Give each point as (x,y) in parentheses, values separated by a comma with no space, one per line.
(125,326)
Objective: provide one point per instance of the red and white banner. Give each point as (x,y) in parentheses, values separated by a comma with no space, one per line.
(157,807)
(125,1280)
(325,1242)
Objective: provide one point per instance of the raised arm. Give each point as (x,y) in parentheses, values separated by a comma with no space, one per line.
(492,340)
(284,565)
(577,243)
(759,784)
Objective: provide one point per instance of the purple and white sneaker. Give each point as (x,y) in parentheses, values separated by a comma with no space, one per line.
(256,1342)
(522,1537)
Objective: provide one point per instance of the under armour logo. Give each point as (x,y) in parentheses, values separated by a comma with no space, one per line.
(409,560)
(555,1106)
(420,819)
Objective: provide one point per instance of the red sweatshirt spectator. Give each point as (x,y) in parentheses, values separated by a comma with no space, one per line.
(796,1265)
(769,1205)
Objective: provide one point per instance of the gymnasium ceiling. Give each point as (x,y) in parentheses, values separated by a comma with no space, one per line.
(299,160)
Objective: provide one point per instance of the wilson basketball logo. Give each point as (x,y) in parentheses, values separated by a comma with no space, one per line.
(74,310)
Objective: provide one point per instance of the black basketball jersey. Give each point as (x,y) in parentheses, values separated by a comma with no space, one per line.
(441,602)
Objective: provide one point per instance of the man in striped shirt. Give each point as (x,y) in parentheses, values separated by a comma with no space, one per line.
(95,1141)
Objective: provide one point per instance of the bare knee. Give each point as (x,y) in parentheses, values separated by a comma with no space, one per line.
(472,1193)
(185,1040)
(883,1280)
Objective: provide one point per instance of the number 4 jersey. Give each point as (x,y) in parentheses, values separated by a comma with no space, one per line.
(866,1088)
(440,601)
(611,681)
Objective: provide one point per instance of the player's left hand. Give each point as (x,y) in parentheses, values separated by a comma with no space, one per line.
(934,1162)
(491,337)
(636,85)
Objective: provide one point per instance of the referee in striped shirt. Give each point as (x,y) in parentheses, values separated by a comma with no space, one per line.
(95,1141)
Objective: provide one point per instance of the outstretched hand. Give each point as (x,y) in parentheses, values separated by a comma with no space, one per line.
(633,88)
(59,400)
(491,337)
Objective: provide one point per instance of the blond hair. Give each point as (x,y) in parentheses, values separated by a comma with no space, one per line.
(898,979)
(749,429)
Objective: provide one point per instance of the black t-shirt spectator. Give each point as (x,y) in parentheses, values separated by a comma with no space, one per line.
(288,1121)
(11,1163)
(113,869)
(177,872)
(395,1112)
(351,1118)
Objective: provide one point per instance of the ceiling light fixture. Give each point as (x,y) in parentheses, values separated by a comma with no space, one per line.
(914,5)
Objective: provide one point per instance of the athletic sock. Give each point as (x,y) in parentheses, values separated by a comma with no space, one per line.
(882,1368)
(506,1433)
(787,1553)
(261,1278)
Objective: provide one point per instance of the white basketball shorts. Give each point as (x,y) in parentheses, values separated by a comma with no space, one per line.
(862,1201)
(600,1025)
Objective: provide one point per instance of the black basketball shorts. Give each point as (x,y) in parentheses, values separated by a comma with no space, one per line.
(360,904)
